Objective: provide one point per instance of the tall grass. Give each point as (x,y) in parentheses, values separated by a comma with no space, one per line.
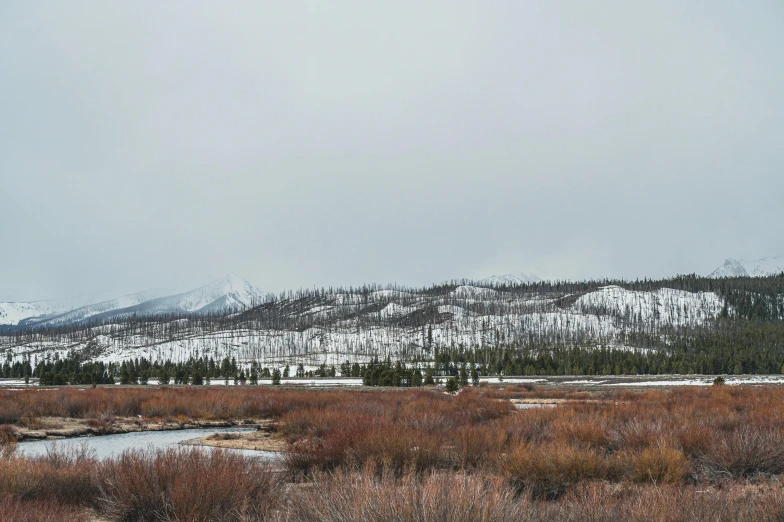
(188,485)
(369,497)
(448,496)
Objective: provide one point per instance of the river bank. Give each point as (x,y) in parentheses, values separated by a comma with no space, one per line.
(263,439)
(58,428)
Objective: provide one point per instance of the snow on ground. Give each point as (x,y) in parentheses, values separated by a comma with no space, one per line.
(706,381)
(470,320)
(511,380)
(662,307)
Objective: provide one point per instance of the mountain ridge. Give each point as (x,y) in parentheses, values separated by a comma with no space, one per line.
(764,266)
(231,293)
(510,279)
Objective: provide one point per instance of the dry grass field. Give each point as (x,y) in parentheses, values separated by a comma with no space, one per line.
(412,455)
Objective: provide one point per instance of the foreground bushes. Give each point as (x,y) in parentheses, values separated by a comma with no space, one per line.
(366,496)
(14,509)
(685,454)
(157,403)
(183,484)
(63,477)
(449,496)
(192,486)
(657,437)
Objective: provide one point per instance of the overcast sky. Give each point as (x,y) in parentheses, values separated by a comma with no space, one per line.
(164,144)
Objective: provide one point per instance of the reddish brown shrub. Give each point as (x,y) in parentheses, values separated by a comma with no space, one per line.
(659,465)
(7,434)
(187,484)
(743,452)
(13,509)
(63,476)
(368,497)
(548,471)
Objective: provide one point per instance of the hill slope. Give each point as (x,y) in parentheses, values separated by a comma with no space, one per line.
(400,323)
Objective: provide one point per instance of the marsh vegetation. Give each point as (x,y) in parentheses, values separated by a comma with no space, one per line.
(713,453)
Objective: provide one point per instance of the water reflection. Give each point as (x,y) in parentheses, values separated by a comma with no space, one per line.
(106,446)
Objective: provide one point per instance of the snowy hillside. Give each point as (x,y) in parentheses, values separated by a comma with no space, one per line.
(765,266)
(320,326)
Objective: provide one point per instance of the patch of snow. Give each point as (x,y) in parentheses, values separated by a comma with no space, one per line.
(511,380)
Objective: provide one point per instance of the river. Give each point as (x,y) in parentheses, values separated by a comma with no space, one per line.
(107,446)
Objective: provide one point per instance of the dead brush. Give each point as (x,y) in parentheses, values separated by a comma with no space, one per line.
(695,440)
(373,496)
(15,509)
(101,425)
(224,436)
(187,484)
(547,472)
(744,452)
(64,476)
(585,433)
(658,465)
(7,435)
(470,446)
(400,449)
(30,420)
(322,453)
(599,501)
(637,434)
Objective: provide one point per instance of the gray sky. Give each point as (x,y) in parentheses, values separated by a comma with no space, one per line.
(163,144)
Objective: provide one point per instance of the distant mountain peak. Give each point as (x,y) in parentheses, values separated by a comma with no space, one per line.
(761,267)
(510,279)
(228,294)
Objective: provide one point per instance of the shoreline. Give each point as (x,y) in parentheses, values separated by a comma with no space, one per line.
(259,440)
(60,428)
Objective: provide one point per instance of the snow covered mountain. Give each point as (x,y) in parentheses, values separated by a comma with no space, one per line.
(91,310)
(758,268)
(12,313)
(401,323)
(512,279)
(229,294)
